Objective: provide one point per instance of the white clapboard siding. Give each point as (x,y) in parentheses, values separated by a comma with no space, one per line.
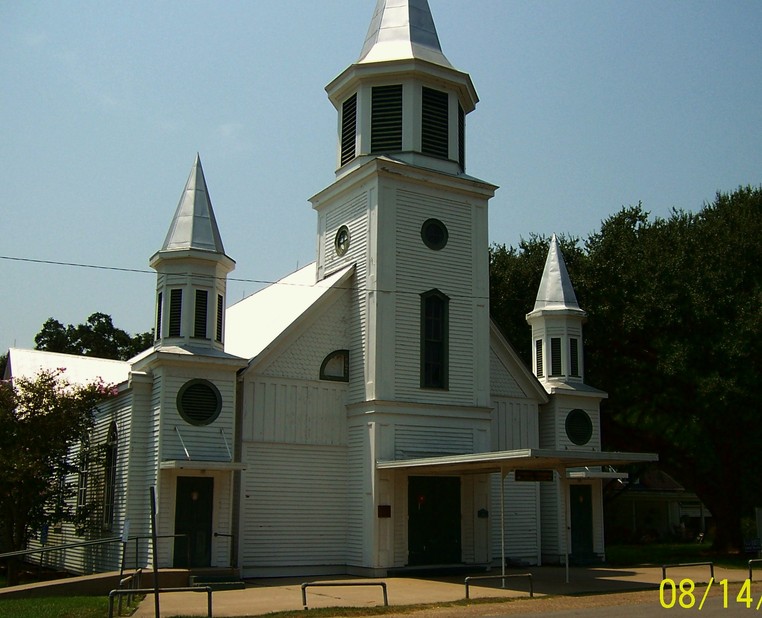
(450,270)
(411,441)
(294,506)
(522,525)
(357,483)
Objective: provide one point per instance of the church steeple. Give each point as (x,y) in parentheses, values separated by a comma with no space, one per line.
(556,322)
(402,98)
(402,29)
(192,271)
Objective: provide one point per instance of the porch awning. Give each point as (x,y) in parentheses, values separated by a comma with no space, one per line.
(520,459)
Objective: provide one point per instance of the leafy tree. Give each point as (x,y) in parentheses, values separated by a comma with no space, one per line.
(674,334)
(40,419)
(3,364)
(96,337)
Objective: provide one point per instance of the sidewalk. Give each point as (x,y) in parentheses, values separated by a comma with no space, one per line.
(262,596)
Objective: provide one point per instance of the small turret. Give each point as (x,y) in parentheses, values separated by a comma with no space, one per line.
(556,322)
(192,271)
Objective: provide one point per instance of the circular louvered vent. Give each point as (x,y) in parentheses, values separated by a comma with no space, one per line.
(579,427)
(199,402)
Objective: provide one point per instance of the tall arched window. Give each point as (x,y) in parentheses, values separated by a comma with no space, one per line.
(434,339)
(109,494)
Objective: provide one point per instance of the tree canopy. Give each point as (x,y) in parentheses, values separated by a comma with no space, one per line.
(673,335)
(96,337)
(40,419)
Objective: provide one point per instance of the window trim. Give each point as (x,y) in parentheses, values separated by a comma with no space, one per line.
(328,359)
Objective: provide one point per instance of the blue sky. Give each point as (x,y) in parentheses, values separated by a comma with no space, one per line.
(586,106)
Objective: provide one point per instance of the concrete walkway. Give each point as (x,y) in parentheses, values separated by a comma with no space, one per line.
(262,596)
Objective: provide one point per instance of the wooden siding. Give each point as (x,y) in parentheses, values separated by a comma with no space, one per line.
(502,383)
(295,412)
(329,332)
(429,441)
(203,443)
(97,558)
(451,271)
(514,424)
(522,525)
(294,506)
(357,475)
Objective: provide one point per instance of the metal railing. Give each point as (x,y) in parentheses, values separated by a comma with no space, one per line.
(664,567)
(333,584)
(115,593)
(134,580)
(752,562)
(468,581)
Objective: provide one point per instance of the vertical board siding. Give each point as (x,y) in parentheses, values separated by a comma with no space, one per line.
(514,424)
(295,412)
(294,505)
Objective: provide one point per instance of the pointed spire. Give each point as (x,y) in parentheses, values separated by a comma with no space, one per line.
(194,225)
(401,30)
(556,291)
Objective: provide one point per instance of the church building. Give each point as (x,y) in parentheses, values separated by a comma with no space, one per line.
(363,414)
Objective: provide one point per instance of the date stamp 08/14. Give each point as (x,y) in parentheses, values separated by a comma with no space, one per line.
(684,594)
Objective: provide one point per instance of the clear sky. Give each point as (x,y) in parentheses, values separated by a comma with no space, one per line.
(586,106)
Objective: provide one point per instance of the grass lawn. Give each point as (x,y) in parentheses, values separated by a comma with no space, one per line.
(55,607)
(657,554)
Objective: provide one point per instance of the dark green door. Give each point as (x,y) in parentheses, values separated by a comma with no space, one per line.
(193,518)
(433,520)
(581,510)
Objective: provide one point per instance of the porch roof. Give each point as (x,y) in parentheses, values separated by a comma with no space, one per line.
(520,459)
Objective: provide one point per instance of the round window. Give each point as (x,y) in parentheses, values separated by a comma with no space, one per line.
(199,402)
(434,234)
(579,427)
(341,242)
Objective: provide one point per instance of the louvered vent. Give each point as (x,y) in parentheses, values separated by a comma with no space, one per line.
(555,356)
(220,316)
(579,427)
(461,138)
(199,326)
(199,402)
(538,355)
(435,123)
(175,311)
(386,119)
(573,357)
(348,129)
(159,302)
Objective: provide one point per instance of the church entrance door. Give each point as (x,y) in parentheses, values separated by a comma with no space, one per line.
(193,518)
(434,520)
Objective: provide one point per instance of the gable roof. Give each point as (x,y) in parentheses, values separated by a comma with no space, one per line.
(525,379)
(78,369)
(254,324)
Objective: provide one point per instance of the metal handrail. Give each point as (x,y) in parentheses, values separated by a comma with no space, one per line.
(45,549)
(751,562)
(664,567)
(114,593)
(333,584)
(503,577)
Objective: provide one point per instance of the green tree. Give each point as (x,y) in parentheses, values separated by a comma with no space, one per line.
(96,337)
(40,419)
(674,333)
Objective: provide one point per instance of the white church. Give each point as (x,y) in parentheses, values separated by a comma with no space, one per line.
(363,415)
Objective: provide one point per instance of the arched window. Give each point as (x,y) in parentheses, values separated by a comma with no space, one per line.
(434,339)
(335,366)
(109,493)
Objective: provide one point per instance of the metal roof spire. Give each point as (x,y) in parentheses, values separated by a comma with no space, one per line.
(194,225)
(400,30)
(556,291)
